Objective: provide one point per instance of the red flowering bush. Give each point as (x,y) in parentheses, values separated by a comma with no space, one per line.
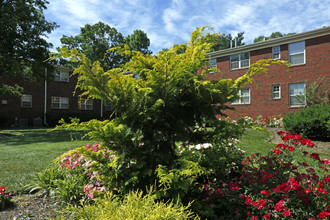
(274,186)
(5,197)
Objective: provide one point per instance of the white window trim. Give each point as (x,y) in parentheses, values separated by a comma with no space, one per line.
(60,103)
(239,62)
(239,101)
(297,54)
(296,95)
(84,103)
(63,76)
(26,98)
(279,52)
(279,92)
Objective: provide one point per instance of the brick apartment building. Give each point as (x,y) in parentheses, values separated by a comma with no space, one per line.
(276,93)
(46,102)
(271,95)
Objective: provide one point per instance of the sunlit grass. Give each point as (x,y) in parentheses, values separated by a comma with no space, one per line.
(27,151)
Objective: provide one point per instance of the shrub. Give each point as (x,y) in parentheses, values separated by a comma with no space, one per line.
(79,175)
(273,186)
(131,206)
(312,122)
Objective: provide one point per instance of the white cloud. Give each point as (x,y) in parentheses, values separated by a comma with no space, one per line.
(169,22)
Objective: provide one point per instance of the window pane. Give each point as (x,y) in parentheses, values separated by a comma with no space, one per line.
(245,63)
(296,93)
(55,105)
(234,65)
(234,58)
(276,55)
(65,100)
(297,47)
(245,99)
(276,50)
(245,56)
(212,63)
(245,92)
(297,89)
(297,59)
(55,99)
(64,106)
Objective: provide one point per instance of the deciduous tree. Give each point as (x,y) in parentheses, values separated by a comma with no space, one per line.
(23,47)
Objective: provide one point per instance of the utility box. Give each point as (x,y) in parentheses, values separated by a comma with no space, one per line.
(37,122)
(23,122)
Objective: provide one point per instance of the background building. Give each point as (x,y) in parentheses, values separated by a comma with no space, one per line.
(279,91)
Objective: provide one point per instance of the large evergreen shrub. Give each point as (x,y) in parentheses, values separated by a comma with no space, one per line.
(312,122)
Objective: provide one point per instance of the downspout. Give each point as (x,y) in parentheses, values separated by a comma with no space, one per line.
(45,103)
(101,108)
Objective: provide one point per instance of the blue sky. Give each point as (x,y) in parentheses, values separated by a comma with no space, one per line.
(168,22)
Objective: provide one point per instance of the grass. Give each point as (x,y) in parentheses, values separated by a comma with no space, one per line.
(27,151)
(257,141)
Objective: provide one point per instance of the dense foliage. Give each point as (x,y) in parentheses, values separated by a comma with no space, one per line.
(274,186)
(274,35)
(133,205)
(23,47)
(169,103)
(313,122)
(95,41)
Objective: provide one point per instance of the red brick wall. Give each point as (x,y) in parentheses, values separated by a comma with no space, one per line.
(317,64)
(13,108)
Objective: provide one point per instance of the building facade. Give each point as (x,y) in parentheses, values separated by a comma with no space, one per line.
(282,89)
(44,103)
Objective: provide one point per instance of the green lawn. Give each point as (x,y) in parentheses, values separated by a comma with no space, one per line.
(27,151)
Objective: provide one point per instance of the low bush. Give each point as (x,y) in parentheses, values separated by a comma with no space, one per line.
(273,186)
(133,205)
(311,122)
(77,176)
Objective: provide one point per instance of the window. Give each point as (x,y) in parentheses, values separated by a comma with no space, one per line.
(297,53)
(60,102)
(244,94)
(276,91)
(276,53)
(297,94)
(85,104)
(240,61)
(108,107)
(61,76)
(26,101)
(212,63)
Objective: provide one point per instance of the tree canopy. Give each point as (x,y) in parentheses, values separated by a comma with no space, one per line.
(23,47)
(272,36)
(225,41)
(96,40)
